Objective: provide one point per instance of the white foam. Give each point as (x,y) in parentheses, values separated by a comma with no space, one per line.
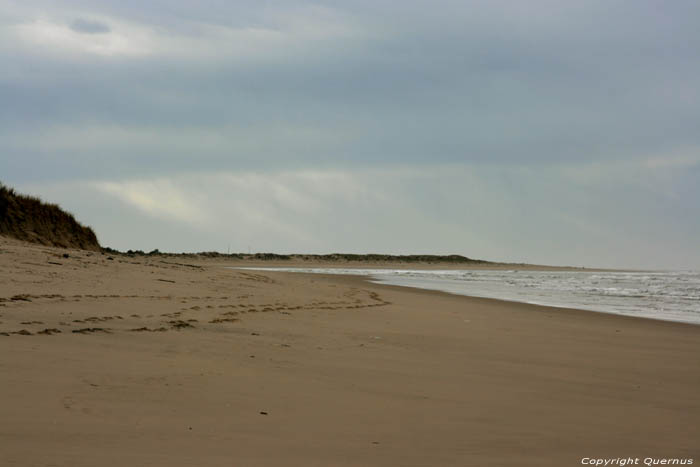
(671,296)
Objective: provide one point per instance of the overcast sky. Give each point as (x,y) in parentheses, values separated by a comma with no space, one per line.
(546,131)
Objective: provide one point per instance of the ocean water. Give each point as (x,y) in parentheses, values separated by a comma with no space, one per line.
(670,296)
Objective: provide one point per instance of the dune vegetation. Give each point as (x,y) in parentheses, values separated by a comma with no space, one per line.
(30,219)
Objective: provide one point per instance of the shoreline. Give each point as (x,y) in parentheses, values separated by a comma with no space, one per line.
(505,301)
(166,364)
(475,299)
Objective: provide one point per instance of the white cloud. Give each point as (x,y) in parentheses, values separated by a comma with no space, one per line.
(502,214)
(159,198)
(681,159)
(203,143)
(122,39)
(261,204)
(278,35)
(567,144)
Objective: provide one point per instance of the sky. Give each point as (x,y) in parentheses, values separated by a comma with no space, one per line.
(544,131)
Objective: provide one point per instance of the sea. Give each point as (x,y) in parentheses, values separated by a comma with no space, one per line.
(663,295)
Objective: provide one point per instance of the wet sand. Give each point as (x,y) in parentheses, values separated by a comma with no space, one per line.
(165,362)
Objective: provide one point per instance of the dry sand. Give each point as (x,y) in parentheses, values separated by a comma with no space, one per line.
(195,365)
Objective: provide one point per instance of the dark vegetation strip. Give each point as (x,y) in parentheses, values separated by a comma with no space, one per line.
(30,219)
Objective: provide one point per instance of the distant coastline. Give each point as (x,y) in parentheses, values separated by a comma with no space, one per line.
(331,257)
(349,260)
(29,219)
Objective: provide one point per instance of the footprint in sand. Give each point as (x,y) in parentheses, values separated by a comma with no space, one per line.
(224,320)
(179,324)
(91,330)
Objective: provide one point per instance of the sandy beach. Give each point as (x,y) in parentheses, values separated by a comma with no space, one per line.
(157,361)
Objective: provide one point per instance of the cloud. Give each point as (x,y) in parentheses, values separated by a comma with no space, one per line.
(89,27)
(268,205)
(474,123)
(46,35)
(159,198)
(448,85)
(273,36)
(497,213)
(683,159)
